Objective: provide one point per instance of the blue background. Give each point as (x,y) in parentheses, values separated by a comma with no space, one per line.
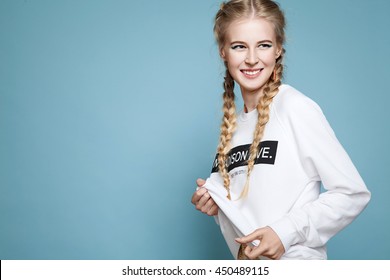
(110,110)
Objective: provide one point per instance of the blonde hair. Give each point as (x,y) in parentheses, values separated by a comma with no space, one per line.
(229,12)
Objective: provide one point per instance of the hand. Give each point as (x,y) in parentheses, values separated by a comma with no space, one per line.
(203,201)
(270,245)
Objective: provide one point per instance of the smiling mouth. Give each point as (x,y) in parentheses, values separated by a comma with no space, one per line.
(251,73)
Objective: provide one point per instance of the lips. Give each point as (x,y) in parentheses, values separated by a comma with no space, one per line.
(251,73)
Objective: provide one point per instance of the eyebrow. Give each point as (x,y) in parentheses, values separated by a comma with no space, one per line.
(259,42)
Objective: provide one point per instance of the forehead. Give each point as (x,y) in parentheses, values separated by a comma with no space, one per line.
(248,30)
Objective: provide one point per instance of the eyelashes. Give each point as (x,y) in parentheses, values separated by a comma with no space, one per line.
(237,47)
(265,46)
(262,46)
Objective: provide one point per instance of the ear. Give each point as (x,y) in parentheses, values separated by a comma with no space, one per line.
(222,54)
(279,51)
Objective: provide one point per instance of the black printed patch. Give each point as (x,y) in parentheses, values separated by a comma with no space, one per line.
(238,156)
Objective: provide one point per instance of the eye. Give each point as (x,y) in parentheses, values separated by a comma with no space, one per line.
(238,47)
(265,46)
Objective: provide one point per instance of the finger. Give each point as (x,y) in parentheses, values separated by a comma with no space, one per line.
(255,252)
(201,192)
(256,235)
(200,182)
(202,201)
(213,210)
(198,195)
(207,206)
(249,252)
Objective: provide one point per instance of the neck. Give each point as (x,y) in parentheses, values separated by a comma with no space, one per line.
(251,99)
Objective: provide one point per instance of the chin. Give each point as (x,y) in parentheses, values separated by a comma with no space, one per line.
(252,89)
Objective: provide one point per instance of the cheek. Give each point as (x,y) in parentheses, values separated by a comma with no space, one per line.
(269,59)
(234,61)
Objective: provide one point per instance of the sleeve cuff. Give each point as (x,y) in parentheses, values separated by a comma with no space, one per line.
(286,231)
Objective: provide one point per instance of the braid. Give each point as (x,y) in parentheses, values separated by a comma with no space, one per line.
(227,128)
(229,12)
(263,108)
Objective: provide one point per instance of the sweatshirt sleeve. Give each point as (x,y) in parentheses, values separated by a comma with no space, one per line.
(323,159)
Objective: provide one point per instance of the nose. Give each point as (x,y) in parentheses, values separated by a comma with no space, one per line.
(252,57)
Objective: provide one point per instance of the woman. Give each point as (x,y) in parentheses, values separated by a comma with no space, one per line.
(264,189)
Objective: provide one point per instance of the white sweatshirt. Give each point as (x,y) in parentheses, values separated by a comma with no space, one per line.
(298,151)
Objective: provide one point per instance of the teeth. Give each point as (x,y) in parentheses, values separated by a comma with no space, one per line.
(251,73)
